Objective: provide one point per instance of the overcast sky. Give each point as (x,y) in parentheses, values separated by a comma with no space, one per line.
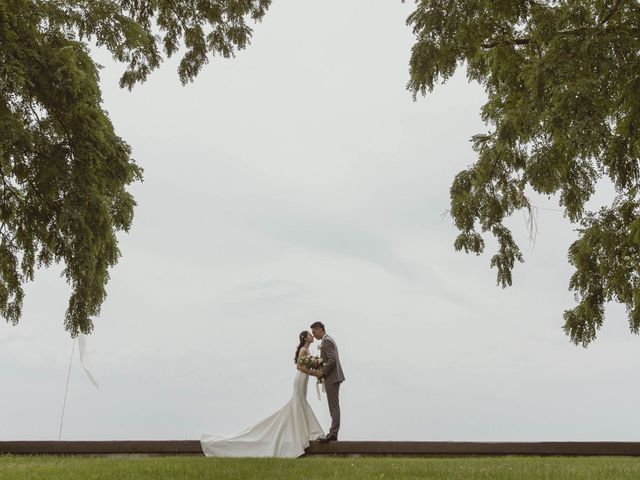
(300,182)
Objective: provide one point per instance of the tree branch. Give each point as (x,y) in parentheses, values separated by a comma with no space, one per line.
(613,11)
(180,20)
(5,237)
(9,188)
(527,41)
(515,41)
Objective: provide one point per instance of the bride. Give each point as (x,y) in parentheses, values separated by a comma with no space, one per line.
(286,433)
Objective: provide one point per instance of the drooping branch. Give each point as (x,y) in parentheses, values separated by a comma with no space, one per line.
(558,91)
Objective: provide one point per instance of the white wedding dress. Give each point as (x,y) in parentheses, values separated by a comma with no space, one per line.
(286,433)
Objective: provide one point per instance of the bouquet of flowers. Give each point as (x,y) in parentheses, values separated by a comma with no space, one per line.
(314,363)
(311,362)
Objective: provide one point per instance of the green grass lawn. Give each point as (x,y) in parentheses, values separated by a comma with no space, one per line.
(194,468)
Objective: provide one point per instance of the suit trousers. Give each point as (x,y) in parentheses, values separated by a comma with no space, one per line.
(333,397)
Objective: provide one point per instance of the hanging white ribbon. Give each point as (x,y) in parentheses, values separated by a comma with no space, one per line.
(318,383)
(84,359)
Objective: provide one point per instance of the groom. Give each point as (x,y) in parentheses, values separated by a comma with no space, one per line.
(332,376)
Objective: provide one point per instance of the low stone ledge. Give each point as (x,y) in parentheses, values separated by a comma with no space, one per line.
(355,448)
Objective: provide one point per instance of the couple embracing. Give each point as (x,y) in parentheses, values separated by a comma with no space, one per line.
(287,432)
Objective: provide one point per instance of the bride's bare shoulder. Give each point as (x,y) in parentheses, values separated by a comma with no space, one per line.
(303,353)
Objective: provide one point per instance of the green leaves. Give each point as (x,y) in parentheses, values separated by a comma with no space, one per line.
(63,170)
(607,261)
(212,27)
(564,104)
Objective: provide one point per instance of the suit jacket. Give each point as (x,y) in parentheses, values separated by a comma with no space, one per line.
(332,371)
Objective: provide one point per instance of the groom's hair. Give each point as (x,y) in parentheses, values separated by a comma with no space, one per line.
(318,325)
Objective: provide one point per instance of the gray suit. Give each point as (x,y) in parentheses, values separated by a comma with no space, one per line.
(333,377)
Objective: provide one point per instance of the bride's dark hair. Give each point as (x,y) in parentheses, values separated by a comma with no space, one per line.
(303,338)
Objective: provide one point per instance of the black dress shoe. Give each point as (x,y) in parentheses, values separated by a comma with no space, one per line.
(332,437)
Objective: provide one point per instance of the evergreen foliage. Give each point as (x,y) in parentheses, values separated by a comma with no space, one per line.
(63,169)
(563,86)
